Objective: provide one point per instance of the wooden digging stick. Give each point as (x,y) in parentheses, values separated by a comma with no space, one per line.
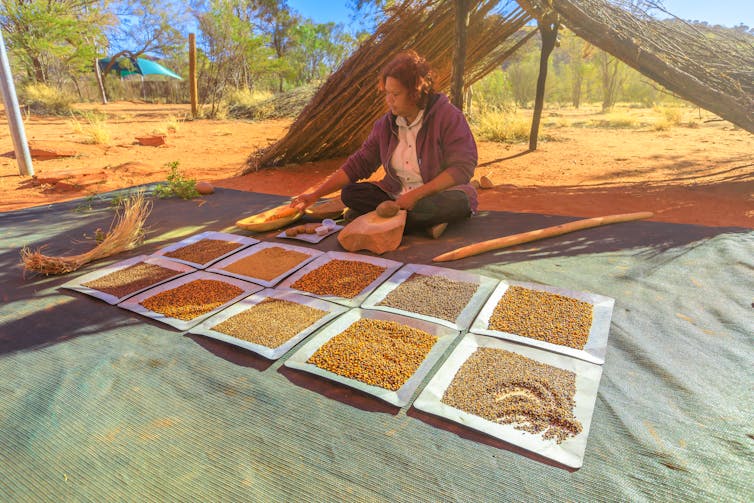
(525,237)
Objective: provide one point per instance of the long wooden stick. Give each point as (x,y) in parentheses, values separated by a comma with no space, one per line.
(525,237)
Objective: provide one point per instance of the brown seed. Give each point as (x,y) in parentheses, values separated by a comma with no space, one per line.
(192,299)
(131,279)
(204,250)
(434,295)
(271,322)
(341,278)
(376,352)
(543,316)
(507,388)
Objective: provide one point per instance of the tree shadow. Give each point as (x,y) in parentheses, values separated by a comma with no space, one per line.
(34,313)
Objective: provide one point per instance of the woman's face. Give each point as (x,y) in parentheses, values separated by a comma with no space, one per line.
(398,99)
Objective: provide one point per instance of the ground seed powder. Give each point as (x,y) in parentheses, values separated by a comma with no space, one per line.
(376,352)
(435,296)
(271,322)
(203,251)
(131,279)
(543,316)
(267,263)
(508,388)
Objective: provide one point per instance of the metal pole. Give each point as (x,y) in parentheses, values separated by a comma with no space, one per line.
(13,113)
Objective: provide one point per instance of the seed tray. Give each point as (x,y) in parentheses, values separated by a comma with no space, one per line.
(596,344)
(222,236)
(312,238)
(390,267)
(132,303)
(464,319)
(445,336)
(206,328)
(78,283)
(570,452)
(218,266)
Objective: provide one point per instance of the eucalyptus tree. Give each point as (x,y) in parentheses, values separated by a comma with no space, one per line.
(50,39)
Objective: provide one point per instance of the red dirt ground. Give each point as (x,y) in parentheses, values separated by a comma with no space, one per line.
(701,175)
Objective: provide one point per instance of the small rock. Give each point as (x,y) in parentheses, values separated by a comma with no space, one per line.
(204,188)
(152,141)
(486,183)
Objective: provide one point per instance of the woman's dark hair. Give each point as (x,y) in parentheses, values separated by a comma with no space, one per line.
(413,72)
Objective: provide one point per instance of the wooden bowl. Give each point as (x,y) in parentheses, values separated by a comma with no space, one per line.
(265,221)
(329,208)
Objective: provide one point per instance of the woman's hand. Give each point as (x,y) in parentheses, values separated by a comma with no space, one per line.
(408,200)
(303,201)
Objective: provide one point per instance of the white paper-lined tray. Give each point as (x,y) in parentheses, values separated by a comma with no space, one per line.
(390,267)
(464,318)
(402,396)
(243,241)
(312,238)
(570,452)
(253,250)
(78,283)
(132,303)
(206,327)
(596,344)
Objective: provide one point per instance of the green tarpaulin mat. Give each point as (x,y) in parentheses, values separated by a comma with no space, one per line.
(100,404)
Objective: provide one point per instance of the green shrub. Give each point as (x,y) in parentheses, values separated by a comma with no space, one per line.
(615,120)
(176,186)
(45,100)
(501,127)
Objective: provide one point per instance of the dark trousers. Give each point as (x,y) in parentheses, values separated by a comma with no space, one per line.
(446,206)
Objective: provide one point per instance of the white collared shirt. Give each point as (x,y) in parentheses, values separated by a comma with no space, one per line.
(404,160)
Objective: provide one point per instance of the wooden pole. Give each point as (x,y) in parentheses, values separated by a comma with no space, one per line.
(192,75)
(459,53)
(101,84)
(548,30)
(525,237)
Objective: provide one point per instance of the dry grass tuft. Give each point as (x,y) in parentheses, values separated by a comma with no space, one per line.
(170,125)
(126,232)
(501,127)
(95,131)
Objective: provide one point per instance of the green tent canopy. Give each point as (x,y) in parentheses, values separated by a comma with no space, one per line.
(141,66)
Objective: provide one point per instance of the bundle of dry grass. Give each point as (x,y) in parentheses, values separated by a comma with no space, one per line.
(339,116)
(284,105)
(126,232)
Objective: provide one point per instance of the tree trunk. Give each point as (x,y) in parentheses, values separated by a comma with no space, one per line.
(469,95)
(548,30)
(459,53)
(192,76)
(39,74)
(101,84)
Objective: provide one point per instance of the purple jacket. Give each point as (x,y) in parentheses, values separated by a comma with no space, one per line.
(444,143)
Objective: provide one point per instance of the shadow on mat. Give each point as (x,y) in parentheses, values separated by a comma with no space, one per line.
(231,353)
(32,313)
(481,438)
(338,391)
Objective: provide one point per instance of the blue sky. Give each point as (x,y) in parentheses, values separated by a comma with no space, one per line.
(725,12)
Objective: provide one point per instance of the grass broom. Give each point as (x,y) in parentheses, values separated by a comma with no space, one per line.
(126,232)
